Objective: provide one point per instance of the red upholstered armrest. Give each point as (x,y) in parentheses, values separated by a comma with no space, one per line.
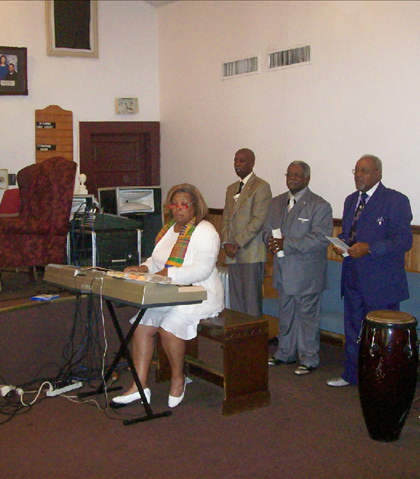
(32,220)
(46,192)
(10,204)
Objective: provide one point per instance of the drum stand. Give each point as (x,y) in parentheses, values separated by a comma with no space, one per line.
(125,352)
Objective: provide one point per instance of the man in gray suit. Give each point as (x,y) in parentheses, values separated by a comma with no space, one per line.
(243,217)
(294,231)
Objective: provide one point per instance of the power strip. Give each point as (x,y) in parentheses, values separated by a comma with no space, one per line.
(65,389)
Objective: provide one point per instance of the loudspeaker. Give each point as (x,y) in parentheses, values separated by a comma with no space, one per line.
(142,203)
(110,249)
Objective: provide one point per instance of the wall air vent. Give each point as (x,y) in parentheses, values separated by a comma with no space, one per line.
(240,67)
(291,57)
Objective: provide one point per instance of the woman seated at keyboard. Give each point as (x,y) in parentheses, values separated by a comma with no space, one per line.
(186,250)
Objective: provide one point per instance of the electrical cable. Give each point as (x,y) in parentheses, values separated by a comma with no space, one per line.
(37,392)
(86,361)
(83,219)
(10,406)
(105,341)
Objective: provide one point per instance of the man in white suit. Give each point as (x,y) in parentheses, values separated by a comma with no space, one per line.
(299,267)
(245,210)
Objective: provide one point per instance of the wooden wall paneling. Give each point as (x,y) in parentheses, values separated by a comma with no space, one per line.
(336,231)
(412,258)
(53,133)
(215,218)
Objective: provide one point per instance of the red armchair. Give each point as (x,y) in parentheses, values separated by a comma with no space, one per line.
(37,235)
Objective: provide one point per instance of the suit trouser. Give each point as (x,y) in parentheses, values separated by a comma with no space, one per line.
(355,310)
(299,320)
(245,287)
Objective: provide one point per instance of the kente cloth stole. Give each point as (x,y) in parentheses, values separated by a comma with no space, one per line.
(179,250)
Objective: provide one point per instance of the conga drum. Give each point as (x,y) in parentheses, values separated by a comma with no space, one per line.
(387,373)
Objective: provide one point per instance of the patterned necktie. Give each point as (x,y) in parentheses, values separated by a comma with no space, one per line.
(241,184)
(291,203)
(357,213)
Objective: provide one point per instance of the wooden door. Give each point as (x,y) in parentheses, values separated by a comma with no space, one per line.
(122,153)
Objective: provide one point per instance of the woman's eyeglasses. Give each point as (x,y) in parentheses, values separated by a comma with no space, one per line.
(181,206)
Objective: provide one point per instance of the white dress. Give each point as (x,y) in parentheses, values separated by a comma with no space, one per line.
(199,268)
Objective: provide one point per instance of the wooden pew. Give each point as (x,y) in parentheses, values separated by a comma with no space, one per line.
(244,373)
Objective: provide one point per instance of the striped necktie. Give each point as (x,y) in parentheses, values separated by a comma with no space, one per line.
(357,213)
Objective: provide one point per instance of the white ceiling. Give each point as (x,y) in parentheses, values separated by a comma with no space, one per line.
(159,3)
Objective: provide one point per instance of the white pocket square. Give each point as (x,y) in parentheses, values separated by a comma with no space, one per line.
(303,219)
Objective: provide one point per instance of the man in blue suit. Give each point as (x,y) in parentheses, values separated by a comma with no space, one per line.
(376,226)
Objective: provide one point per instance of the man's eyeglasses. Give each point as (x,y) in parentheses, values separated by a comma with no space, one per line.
(361,171)
(181,206)
(294,175)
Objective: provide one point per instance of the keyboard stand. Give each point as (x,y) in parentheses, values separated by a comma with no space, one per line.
(125,352)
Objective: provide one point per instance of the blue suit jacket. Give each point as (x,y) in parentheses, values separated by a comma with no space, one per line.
(385,225)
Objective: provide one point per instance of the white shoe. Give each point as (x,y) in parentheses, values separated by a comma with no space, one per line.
(337,383)
(129,398)
(175,401)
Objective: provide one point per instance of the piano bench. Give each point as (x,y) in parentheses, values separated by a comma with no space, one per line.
(244,372)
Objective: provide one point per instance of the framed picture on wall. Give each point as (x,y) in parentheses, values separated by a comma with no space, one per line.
(126,106)
(72,28)
(13,71)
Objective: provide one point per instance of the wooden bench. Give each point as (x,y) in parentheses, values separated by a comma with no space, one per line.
(244,374)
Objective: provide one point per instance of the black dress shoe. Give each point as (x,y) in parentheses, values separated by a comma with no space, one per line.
(276,362)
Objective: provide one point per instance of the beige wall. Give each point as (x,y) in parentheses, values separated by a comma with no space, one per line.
(127,67)
(360,95)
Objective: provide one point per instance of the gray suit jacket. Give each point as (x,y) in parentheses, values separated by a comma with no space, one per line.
(303,269)
(242,221)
